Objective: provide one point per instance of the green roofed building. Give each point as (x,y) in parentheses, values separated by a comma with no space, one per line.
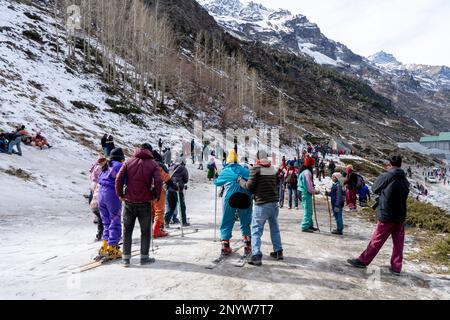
(442,141)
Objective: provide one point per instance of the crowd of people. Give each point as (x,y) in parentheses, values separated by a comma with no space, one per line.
(10,142)
(139,186)
(149,187)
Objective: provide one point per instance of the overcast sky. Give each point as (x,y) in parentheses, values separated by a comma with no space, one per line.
(415,31)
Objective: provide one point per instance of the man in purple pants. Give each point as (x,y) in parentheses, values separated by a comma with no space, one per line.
(393,189)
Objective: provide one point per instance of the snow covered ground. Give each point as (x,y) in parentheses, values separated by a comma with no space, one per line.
(47,234)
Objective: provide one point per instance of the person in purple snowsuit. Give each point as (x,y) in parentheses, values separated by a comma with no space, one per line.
(110,205)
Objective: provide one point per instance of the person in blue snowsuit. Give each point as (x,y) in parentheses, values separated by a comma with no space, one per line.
(236,200)
(364,196)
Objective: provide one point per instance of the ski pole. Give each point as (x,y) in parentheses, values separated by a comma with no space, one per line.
(179,210)
(315,212)
(215,216)
(151,227)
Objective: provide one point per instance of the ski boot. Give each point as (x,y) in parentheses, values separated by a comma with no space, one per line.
(158,230)
(103,251)
(113,253)
(226,249)
(248,245)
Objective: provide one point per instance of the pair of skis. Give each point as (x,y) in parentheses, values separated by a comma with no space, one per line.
(234,248)
(95,264)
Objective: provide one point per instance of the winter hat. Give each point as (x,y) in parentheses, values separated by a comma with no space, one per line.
(262,155)
(310,162)
(337,175)
(232,157)
(117,155)
(101,159)
(147,146)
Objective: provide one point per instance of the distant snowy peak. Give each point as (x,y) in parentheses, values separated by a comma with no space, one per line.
(383,58)
(430,77)
(279,28)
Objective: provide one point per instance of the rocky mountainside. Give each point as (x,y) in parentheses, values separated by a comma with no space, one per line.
(417,91)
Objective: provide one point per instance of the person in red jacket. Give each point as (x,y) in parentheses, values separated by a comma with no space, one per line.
(141,176)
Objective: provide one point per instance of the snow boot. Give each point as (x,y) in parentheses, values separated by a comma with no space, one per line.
(336,231)
(248,244)
(126,263)
(255,261)
(103,251)
(158,231)
(356,263)
(147,260)
(113,253)
(226,249)
(277,255)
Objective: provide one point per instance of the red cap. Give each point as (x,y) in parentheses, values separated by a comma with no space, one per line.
(309,162)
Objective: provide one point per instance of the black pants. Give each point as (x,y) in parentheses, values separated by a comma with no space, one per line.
(172,198)
(142,212)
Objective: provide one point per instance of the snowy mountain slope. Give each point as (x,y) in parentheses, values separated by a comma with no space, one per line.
(433,78)
(415,92)
(279,28)
(50,94)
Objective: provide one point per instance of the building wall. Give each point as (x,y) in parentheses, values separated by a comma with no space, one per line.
(443,145)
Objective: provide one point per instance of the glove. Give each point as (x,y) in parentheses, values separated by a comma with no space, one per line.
(185,187)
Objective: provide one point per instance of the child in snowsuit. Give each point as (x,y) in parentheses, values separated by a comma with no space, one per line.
(95,172)
(236,200)
(212,168)
(291,184)
(110,206)
(337,202)
(306,186)
(159,206)
(364,196)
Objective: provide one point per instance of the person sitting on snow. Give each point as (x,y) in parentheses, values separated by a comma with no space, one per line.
(25,136)
(40,141)
(3,143)
(236,200)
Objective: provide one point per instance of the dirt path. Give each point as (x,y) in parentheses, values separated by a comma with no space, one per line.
(314,267)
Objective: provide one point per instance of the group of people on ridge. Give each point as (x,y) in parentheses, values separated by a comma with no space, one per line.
(10,142)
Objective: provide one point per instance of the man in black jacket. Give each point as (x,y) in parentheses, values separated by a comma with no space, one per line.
(392,187)
(262,183)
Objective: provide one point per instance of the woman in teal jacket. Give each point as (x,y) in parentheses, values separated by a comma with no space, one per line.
(306,186)
(235,200)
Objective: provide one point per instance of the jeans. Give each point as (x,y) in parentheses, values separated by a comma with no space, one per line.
(142,212)
(262,213)
(281,190)
(17,144)
(337,212)
(175,212)
(379,237)
(172,198)
(293,190)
